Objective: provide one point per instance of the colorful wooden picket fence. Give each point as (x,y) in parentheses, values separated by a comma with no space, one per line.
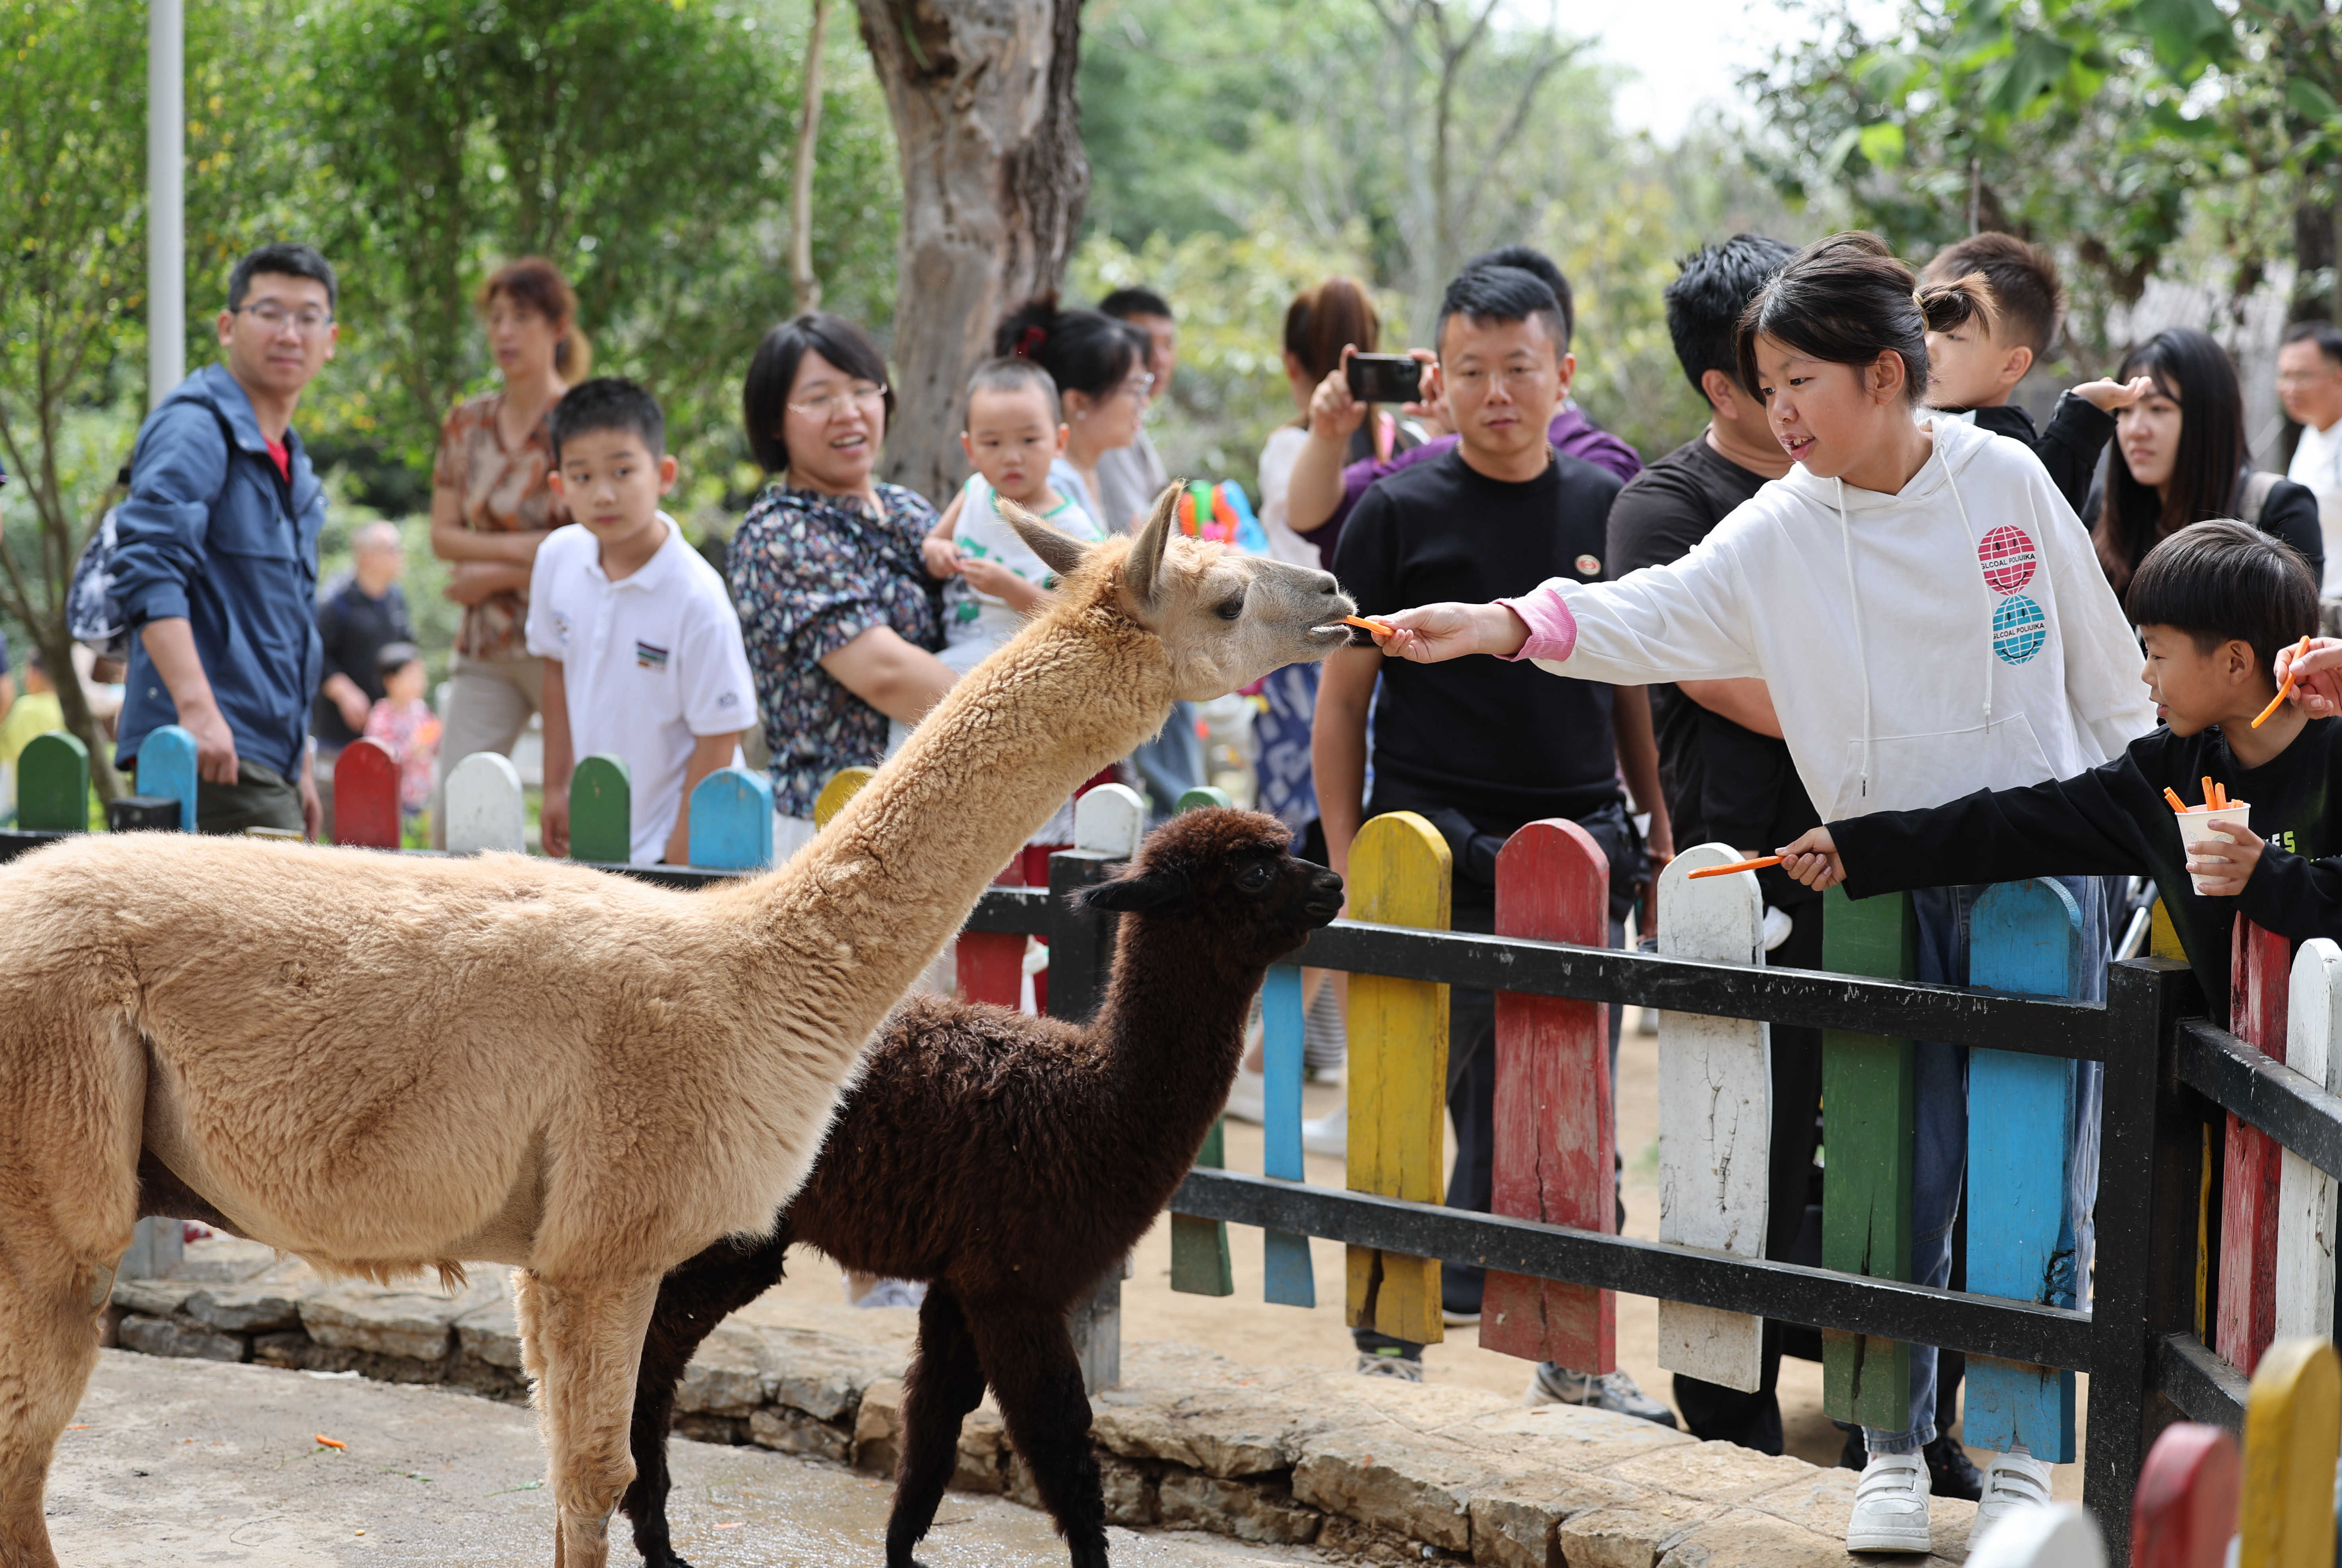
(2260,984)
(365,796)
(732,820)
(1868,1102)
(1555,1144)
(53,783)
(2293,1428)
(2026,938)
(167,770)
(2184,1510)
(840,787)
(1287,1276)
(601,811)
(2307,1208)
(1200,1264)
(1715,1095)
(485,807)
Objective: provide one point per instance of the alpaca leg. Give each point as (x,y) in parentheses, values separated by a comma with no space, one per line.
(587,1339)
(1028,1357)
(48,1343)
(945,1382)
(692,1300)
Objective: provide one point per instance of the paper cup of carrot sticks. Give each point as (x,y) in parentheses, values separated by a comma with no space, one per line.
(2196,821)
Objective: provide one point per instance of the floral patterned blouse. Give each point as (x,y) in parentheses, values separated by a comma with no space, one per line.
(498,491)
(809,573)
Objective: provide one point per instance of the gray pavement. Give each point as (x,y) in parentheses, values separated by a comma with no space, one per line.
(188,1462)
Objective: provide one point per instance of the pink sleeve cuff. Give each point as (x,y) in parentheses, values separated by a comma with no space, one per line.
(1553,630)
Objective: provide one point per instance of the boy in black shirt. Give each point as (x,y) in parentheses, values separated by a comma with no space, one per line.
(2214,603)
(1479,757)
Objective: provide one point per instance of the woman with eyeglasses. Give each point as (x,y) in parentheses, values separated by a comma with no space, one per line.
(833,600)
(491,507)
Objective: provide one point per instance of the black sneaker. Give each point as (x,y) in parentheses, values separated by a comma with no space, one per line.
(1950,1472)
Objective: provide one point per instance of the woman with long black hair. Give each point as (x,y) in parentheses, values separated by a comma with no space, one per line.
(2179,458)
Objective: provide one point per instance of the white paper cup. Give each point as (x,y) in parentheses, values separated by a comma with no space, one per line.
(2196,827)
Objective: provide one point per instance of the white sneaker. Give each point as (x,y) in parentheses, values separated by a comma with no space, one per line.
(1553,1384)
(1890,1505)
(1327,1134)
(1248,1096)
(2012,1482)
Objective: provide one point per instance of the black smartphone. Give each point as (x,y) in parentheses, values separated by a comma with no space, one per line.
(1386,378)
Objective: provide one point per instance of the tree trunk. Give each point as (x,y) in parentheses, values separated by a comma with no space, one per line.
(806,286)
(981,92)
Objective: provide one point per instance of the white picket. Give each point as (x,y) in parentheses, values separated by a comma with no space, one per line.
(2307,1209)
(1110,820)
(1716,1130)
(2059,1536)
(485,809)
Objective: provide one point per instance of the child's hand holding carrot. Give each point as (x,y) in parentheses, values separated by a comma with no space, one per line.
(2225,867)
(1813,860)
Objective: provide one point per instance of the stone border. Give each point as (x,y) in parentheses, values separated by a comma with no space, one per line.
(1369,1469)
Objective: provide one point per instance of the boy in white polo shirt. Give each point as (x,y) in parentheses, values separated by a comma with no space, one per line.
(642,651)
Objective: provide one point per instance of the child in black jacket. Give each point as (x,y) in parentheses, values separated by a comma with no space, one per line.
(2215,604)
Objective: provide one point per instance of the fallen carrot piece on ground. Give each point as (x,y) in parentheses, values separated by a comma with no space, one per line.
(2173,796)
(1369,624)
(328,1442)
(2285,688)
(1758,865)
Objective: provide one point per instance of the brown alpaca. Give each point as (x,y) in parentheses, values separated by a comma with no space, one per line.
(1009,1161)
(384,1063)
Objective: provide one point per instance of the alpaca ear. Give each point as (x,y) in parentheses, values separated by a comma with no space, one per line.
(1061,552)
(1136,894)
(1145,563)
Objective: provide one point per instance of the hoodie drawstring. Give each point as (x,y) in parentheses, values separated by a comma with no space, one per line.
(1861,654)
(1990,608)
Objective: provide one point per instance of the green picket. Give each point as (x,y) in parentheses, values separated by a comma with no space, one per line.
(601,811)
(1199,1248)
(1204,795)
(53,783)
(1866,1122)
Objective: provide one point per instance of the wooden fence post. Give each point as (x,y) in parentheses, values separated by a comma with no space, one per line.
(485,810)
(53,783)
(1399,871)
(732,820)
(2060,1535)
(1554,1151)
(601,811)
(1199,1248)
(1287,1277)
(2026,939)
(1715,1116)
(989,966)
(2292,1426)
(2306,1210)
(1868,1097)
(365,796)
(2259,978)
(841,786)
(167,770)
(2185,1510)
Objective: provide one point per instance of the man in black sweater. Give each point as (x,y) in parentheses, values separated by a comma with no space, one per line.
(1475,753)
(2215,603)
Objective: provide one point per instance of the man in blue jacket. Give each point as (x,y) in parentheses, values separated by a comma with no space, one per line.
(215,559)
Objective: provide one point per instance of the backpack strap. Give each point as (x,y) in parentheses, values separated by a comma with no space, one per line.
(2253,494)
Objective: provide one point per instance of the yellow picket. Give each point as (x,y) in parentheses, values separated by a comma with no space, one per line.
(2293,1427)
(1399,874)
(843,786)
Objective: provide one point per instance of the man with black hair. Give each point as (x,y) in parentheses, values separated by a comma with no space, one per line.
(1480,757)
(215,558)
(2310,385)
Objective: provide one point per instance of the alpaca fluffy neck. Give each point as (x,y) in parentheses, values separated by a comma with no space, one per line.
(1174,1024)
(875,896)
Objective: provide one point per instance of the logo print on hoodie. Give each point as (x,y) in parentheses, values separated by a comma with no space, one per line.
(2008,558)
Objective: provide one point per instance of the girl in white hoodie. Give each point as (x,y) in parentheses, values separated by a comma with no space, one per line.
(1930,618)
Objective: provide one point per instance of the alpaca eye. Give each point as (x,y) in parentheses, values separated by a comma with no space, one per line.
(1229,609)
(1253,878)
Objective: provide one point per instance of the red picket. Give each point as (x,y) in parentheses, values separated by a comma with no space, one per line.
(2186,1506)
(365,796)
(2259,985)
(1554,1132)
(990,965)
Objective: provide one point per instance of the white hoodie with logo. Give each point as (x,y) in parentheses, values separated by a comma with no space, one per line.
(1956,636)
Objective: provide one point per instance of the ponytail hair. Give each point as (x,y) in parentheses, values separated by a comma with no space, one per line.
(1846,300)
(538,284)
(1321,320)
(1083,351)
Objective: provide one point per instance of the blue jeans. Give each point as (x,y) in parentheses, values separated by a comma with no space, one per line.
(1940,1149)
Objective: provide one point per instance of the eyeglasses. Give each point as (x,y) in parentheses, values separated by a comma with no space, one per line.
(831,406)
(1140,385)
(274,318)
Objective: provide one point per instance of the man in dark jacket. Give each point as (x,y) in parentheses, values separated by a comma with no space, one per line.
(215,560)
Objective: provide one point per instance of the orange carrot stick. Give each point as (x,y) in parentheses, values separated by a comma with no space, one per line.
(1367,624)
(2219,797)
(1758,865)
(2285,689)
(2173,796)
(328,1442)
(2207,792)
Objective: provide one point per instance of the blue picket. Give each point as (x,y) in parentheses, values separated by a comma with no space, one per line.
(1289,1279)
(167,770)
(732,820)
(2026,939)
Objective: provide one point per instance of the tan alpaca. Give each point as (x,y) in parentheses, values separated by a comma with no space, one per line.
(385,1063)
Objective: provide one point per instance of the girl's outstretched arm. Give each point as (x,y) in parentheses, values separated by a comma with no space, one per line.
(1431,633)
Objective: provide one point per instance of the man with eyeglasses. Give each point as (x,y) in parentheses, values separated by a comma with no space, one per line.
(215,559)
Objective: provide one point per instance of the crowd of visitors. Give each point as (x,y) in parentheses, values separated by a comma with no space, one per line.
(1866,609)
